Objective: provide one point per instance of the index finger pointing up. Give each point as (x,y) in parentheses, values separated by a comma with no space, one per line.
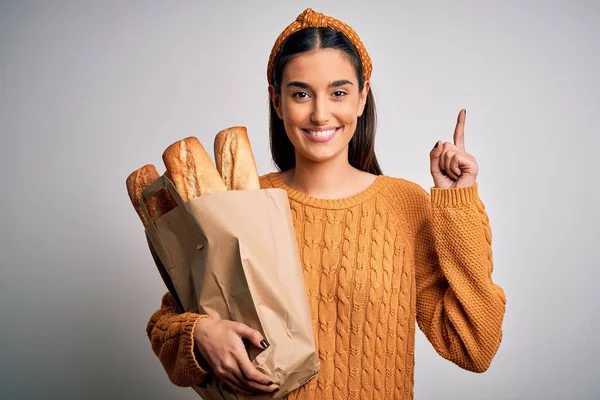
(459,131)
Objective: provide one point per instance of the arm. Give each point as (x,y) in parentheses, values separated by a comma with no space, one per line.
(459,309)
(171,335)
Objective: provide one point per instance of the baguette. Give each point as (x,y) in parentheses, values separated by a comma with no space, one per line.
(157,205)
(190,168)
(234,159)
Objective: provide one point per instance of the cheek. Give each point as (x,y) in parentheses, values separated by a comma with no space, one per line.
(352,112)
(292,113)
(348,114)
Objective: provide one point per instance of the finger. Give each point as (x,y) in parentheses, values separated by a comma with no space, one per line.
(434,156)
(448,164)
(234,382)
(252,335)
(231,386)
(442,160)
(251,372)
(455,165)
(254,378)
(459,131)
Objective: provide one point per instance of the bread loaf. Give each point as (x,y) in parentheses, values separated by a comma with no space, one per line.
(190,168)
(234,159)
(157,205)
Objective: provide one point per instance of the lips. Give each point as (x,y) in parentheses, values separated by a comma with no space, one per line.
(321,135)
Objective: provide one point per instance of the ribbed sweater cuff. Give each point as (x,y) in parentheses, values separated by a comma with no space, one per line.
(193,357)
(455,197)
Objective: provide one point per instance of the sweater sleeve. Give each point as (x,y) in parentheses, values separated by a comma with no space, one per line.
(171,335)
(459,308)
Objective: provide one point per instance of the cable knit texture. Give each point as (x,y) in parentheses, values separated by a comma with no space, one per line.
(374,264)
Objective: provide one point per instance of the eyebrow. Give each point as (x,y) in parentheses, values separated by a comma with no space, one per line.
(304,85)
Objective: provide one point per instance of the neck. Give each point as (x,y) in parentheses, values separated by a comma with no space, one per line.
(323,180)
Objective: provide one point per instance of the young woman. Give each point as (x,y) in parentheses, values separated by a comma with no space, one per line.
(379,253)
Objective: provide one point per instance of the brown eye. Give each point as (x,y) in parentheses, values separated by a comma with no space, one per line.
(339,93)
(300,95)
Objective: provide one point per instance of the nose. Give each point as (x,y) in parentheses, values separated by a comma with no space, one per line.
(320,113)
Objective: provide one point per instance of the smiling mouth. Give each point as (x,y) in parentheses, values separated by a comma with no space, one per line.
(321,134)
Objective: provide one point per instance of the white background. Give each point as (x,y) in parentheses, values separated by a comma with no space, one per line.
(91,90)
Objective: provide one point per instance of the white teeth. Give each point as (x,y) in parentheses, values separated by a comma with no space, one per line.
(322,133)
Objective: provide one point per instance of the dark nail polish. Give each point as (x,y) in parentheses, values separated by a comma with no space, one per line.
(270,383)
(276,390)
(264,343)
(436,144)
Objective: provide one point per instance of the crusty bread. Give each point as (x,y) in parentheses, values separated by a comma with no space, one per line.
(234,159)
(159,204)
(190,168)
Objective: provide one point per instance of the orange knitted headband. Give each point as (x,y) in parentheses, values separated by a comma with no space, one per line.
(310,19)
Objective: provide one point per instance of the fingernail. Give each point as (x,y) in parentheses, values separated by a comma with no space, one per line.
(264,343)
(276,390)
(436,144)
(270,383)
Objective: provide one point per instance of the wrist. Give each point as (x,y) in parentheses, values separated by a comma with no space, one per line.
(197,338)
(200,328)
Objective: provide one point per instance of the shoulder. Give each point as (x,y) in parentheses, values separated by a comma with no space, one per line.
(408,199)
(265,180)
(403,190)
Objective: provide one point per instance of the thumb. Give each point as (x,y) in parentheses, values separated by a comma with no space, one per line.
(252,335)
(434,157)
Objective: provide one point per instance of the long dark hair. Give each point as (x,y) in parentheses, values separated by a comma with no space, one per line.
(361,150)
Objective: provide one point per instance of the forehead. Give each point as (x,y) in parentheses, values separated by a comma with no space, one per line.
(321,66)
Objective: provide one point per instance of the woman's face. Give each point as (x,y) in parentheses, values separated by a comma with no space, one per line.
(320,103)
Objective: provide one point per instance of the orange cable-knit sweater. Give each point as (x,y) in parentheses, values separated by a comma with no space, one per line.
(373,264)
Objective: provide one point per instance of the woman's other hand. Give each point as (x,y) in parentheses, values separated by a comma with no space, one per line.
(451,165)
(221,344)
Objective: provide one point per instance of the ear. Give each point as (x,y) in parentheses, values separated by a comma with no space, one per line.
(276,100)
(362,101)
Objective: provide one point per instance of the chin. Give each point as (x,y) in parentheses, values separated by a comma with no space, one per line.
(321,156)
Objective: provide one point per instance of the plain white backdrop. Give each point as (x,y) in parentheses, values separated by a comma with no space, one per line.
(90,91)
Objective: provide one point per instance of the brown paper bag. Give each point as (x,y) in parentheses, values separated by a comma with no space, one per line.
(233,255)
